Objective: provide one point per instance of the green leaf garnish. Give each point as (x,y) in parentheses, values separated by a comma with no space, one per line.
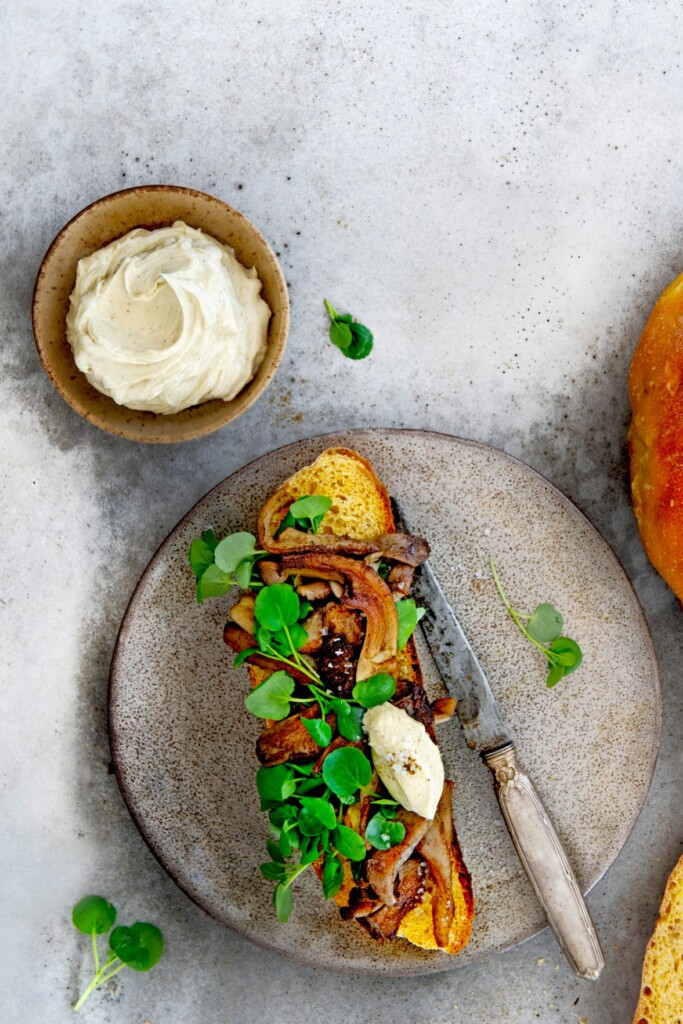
(349,336)
(345,771)
(543,628)
(275,784)
(234,549)
(333,875)
(271,699)
(384,832)
(277,606)
(283,902)
(93,915)
(376,690)
(348,843)
(408,617)
(306,513)
(349,721)
(319,730)
(139,946)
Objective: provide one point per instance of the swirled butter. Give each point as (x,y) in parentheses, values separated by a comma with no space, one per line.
(162,320)
(405,757)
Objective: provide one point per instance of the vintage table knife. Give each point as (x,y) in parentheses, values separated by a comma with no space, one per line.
(535,839)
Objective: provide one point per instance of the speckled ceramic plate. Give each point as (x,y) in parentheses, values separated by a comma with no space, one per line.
(183,745)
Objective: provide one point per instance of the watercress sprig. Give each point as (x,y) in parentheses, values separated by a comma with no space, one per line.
(306,513)
(139,946)
(353,338)
(543,628)
(218,567)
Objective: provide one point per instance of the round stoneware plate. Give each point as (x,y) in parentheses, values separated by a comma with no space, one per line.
(151,206)
(183,745)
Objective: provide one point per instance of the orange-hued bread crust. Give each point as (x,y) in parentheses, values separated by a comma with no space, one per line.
(661,990)
(656,435)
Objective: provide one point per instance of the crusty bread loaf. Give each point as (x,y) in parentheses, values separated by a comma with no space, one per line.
(361,509)
(661,992)
(656,435)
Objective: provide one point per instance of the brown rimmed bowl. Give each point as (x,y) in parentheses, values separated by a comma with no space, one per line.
(151,206)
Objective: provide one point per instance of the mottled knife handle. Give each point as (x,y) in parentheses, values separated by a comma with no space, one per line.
(546,864)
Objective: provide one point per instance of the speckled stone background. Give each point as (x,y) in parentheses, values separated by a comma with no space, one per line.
(496,190)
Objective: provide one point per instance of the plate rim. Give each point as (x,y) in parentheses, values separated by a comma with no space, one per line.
(449,962)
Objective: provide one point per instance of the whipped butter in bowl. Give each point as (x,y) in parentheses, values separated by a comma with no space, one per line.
(166,319)
(160,313)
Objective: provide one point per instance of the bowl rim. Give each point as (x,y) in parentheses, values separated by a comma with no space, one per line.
(195,429)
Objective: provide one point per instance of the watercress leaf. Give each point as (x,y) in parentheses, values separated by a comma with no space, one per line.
(566,653)
(348,843)
(301,769)
(298,635)
(312,853)
(214,583)
(288,521)
(243,574)
(320,809)
(333,875)
(408,617)
(345,770)
(283,901)
(284,845)
(284,814)
(375,690)
(555,673)
(311,506)
(274,851)
(93,914)
(234,549)
(139,946)
(361,344)
(348,799)
(308,785)
(210,539)
(545,624)
(271,698)
(272,870)
(350,726)
(343,318)
(276,784)
(340,334)
(319,730)
(305,610)
(242,656)
(277,606)
(201,557)
(309,824)
(383,832)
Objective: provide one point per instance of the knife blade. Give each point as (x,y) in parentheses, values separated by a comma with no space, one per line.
(531,830)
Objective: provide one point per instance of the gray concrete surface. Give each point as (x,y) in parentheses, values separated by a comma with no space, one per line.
(496,190)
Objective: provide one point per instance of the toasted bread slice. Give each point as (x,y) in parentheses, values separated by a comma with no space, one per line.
(661,992)
(361,509)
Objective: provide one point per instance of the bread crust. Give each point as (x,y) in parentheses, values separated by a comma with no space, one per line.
(656,436)
(661,990)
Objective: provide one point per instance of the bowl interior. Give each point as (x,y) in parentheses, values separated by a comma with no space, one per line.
(151,206)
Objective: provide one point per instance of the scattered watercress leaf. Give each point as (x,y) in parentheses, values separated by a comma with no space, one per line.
(348,843)
(345,770)
(298,636)
(319,730)
(383,832)
(283,902)
(275,785)
(271,698)
(243,574)
(321,810)
(305,609)
(333,875)
(139,946)
(274,851)
(351,337)
(312,853)
(312,506)
(545,624)
(408,617)
(277,606)
(361,342)
(376,690)
(567,653)
(272,870)
(93,915)
(541,628)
